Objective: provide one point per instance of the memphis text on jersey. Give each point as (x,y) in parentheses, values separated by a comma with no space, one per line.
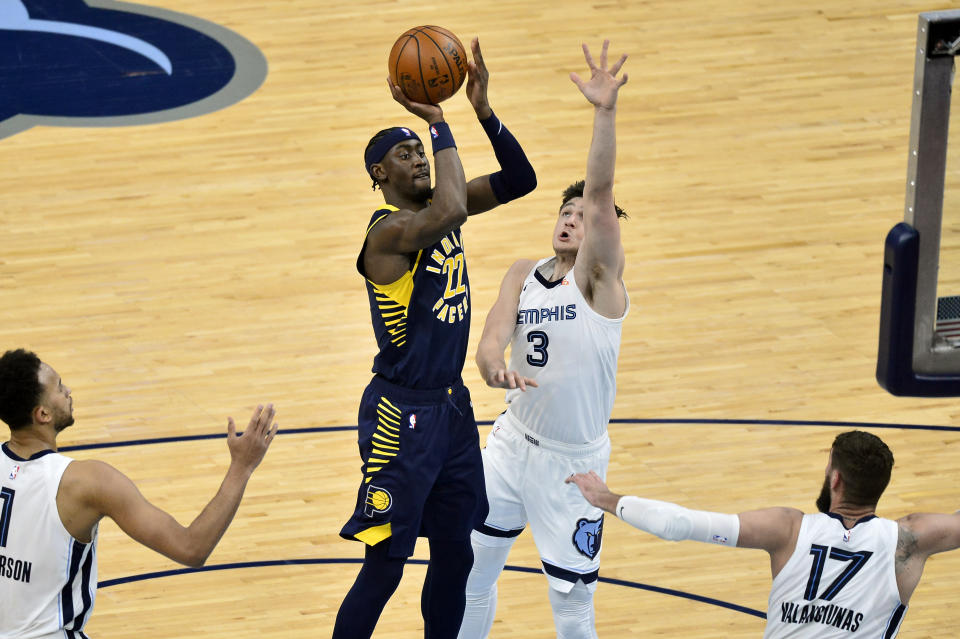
(829,615)
(551,314)
(15,569)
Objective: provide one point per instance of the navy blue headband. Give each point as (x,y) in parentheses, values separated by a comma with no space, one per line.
(396,135)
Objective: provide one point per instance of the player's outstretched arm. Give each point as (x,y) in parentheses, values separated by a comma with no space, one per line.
(772,529)
(932,532)
(663,519)
(516,176)
(95,489)
(919,536)
(498,329)
(600,259)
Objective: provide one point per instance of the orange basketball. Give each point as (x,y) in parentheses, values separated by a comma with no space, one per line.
(428,63)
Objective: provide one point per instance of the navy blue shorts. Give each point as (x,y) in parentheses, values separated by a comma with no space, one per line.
(422,468)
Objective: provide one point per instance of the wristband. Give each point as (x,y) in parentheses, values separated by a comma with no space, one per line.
(441,137)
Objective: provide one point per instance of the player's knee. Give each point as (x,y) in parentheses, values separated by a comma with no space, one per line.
(489,557)
(453,557)
(483,540)
(379,570)
(480,594)
(481,583)
(573,613)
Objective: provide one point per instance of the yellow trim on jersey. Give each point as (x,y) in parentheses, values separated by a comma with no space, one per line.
(373,536)
(386,402)
(398,292)
(385,207)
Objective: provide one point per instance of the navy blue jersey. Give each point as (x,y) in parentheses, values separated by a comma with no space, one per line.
(422,321)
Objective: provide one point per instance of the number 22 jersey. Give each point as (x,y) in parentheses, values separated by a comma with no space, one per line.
(422,320)
(839,582)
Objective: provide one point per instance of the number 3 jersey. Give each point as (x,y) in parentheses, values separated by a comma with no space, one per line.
(838,582)
(48,579)
(571,351)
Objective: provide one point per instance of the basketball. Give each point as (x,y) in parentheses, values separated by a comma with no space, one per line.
(428,63)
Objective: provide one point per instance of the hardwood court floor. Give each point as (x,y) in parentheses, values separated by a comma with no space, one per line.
(181,272)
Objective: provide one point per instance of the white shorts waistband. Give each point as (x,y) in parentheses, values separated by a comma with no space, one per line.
(508,421)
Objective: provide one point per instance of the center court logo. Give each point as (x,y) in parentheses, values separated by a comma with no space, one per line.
(108,63)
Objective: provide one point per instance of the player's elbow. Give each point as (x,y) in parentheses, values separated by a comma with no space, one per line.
(450,212)
(192,551)
(458,214)
(194,558)
(510,186)
(525,181)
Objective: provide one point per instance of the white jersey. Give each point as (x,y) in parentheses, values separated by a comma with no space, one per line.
(571,351)
(48,579)
(838,582)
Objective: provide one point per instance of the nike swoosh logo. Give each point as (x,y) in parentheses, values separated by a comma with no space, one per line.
(14,17)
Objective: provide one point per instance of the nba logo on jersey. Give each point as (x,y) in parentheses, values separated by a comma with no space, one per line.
(13,473)
(847,534)
(413,421)
(586,538)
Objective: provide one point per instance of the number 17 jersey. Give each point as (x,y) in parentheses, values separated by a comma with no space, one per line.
(839,582)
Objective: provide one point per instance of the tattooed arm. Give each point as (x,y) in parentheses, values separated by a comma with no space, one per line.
(920,536)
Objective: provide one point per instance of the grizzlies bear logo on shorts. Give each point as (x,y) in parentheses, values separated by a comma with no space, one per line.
(586,538)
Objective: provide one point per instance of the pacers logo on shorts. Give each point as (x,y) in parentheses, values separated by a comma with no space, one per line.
(379,501)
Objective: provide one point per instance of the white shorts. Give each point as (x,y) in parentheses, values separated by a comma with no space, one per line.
(524,477)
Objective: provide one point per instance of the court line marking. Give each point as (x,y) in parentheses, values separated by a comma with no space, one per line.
(306,562)
(617,582)
(732,422)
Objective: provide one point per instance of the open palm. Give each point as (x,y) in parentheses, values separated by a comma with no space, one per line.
(602,87)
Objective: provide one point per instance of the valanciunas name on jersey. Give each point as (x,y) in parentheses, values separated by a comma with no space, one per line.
(829,615)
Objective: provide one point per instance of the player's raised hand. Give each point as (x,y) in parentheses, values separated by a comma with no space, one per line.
(602,87)
(429,112)
(477,79)
(247,449)
(503,378)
